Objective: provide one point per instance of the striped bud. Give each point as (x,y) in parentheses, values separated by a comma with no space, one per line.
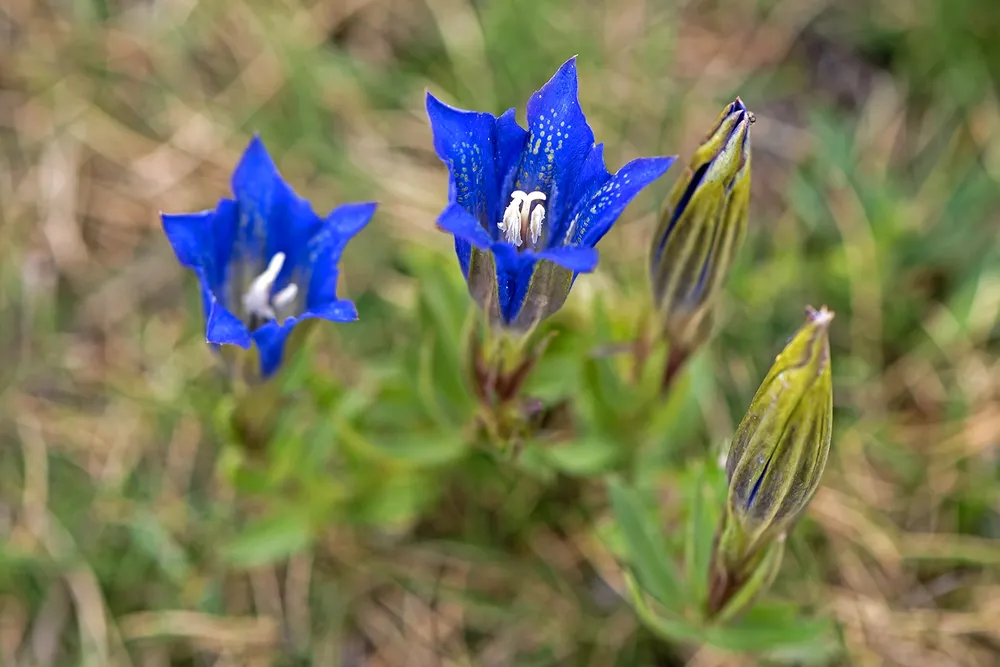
(774,467)
(701,229)
(780,448)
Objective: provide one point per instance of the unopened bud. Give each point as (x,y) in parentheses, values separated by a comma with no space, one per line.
(780,448)
(702,227)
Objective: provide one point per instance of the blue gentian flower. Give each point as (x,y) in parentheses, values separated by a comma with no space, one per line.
(265,261)
(527,207)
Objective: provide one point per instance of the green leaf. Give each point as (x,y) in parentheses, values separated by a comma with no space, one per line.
(533,461)
(151,537)
(673,629)
(394,498)
(423,449)
(245,478)
(591,456)
(704,509)
(270,539)
(769,628)
(674,423)
(646,548)
(607,398)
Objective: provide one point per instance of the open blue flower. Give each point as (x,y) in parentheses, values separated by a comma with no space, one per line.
(265,260)
(527,207)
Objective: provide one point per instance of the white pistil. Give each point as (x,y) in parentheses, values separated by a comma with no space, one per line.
(520,220)
(257,302)
(285,296)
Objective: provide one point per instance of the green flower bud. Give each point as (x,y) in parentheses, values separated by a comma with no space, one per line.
(780,448)
(701,229)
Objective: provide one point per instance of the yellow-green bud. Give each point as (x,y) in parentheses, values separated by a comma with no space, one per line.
(780,448)
(701,229)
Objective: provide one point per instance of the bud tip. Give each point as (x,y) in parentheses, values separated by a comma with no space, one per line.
(822,317)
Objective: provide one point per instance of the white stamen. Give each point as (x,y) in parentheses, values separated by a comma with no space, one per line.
(257,300)
(520,220)
(285,296)
(511,223)
(537,216)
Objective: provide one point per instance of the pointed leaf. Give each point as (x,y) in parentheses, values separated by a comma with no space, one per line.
(270,539)
(704,505)
(150,536)
(590,456)
(647,551)
(424,449)
(672,629)
(766,629)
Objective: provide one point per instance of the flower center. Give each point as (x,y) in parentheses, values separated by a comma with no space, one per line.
(258,302)
(520,219)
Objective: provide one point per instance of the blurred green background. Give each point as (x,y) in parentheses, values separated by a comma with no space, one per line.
(134,533)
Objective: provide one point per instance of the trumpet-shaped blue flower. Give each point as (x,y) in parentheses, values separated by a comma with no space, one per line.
(527,207)
(265,261)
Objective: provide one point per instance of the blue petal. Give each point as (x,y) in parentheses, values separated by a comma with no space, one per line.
(340,310)
(577,260)
(221,326)
(289,230)
(456,220)
(190,236)
(593,174)
(270,340)
(559,142)
(463,249)
(204,241)
(349,219)
(322,287)
(263,199)
(511,139)
(464,140)
(271,337)
(224,230)
(339,227)
(514,271)
(514,278)
(255,174)
(326,247)
(594,218)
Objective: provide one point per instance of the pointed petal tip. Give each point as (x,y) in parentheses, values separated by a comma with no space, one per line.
(654,167)
(566,71)
(665,162)
(569,66)
(444,116)
(256,145)
(430,100)
(255,158)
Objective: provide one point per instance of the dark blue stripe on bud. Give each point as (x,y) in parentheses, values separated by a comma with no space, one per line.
(760,480)
(696,180)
